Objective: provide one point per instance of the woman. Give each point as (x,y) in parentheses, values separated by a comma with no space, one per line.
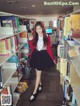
(41,55)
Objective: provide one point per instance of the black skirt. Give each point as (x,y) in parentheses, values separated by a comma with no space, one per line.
(41,60)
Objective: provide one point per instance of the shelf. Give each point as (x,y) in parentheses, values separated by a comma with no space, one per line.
(14,82)
(16,97)
(3,59)
(77,40)
(75,83)
(76,90)
(7,74)
(10,14)
(76,64)
(75,12)
(3,36)
(71,43)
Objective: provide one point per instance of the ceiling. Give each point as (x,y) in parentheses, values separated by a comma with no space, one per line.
(34,7)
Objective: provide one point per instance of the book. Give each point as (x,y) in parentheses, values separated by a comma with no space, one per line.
(9,19)
(67,26)
(72,53)
(75,25)
(13,44)
(4,47)
(7,23)
(17,23)
(9,45)
(60,51)
(16,42)
(23,37)
(63,66)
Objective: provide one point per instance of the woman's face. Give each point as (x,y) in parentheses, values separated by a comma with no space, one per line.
(39,29)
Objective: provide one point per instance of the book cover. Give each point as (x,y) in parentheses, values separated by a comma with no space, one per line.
(7,23)
(12,18)
(23,37)
(9,45)
(13,46)
(4,47)
(17,28)
(75,25)
(16,42)
(67,26)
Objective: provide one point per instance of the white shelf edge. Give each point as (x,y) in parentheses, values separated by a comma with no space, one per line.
(3,36)
(77,11)
(77,40)
(10,14)
(74,12)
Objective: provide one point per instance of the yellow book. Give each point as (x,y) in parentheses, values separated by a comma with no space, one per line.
(9,44)
(23,34)
(75,21)
(63,66)
(3,47)
(72,53)
(23,37)
(67,27)
(23,84)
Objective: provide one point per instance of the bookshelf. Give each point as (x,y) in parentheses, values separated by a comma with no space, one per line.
(70,47)
(14,40)
(3,59)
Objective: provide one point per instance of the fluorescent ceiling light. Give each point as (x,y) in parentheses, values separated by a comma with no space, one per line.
(12,1)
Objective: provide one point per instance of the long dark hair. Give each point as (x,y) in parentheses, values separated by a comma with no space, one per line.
(35,34)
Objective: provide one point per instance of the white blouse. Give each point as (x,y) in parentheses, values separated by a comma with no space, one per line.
(40,43)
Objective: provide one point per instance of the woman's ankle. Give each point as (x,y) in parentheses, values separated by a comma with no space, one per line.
(35,91)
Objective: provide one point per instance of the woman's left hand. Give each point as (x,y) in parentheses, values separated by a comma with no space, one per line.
(54,62)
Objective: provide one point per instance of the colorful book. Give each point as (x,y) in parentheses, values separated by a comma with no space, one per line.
(4,47)
(23,37)
(67,26)
(13,45)
(17,23)
(7,23)
(9,45)
(75,25)
(5,18)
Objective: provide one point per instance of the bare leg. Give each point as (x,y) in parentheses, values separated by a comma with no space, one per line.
(38,80)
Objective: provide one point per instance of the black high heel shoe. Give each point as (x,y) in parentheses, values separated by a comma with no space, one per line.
(33,97)
(40,87)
